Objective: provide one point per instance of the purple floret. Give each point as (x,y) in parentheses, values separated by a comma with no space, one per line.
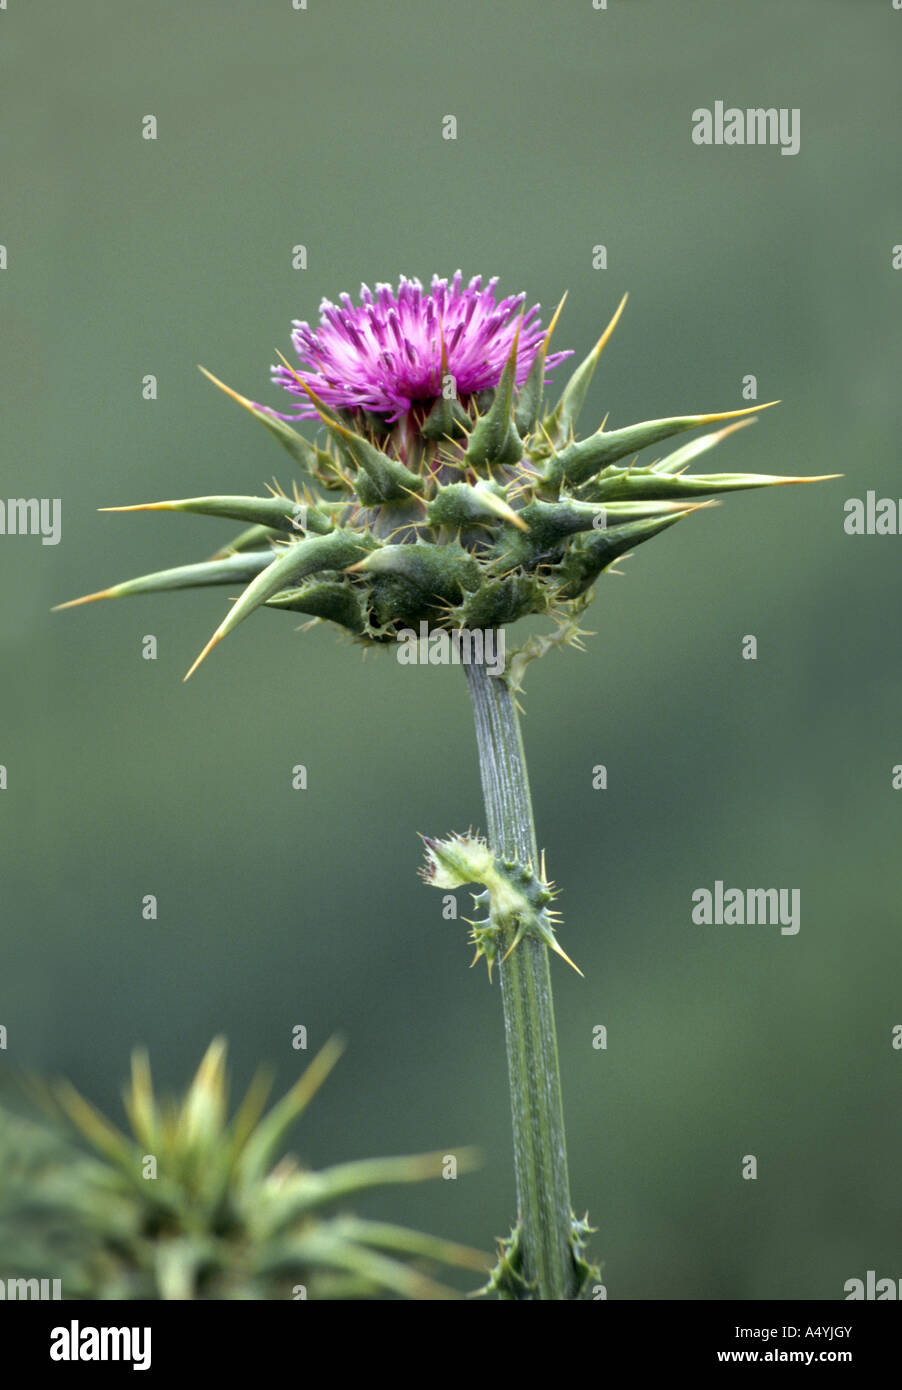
(385,354)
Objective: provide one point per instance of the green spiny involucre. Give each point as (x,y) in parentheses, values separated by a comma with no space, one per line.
(516,898)
(442,491)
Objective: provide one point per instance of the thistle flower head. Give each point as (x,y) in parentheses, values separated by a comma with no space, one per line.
(392,352)
(441,490)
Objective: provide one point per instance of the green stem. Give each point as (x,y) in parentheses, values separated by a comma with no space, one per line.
(540,1154)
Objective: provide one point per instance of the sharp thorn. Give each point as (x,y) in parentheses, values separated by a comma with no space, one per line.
(85,598)
(214,640)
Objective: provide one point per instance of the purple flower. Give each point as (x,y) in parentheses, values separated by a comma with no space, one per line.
(385,354)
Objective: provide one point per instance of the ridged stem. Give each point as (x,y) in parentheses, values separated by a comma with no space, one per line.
(540,1155)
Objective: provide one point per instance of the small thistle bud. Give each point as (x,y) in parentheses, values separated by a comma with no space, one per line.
(517,898)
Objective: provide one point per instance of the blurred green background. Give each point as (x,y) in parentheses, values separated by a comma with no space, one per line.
(277,907)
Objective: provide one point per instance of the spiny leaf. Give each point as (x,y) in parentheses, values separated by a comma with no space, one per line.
(438,571)
(386,1236)
(384,479)
(537,927)
(568,634)
(682,457)
(648,483)
(271,1130)
(529,395)
(93,1126)
(251,539)
(276,513)
(330,1185)
(320,1247)
(459,503)
(559,424)
(446,420)
(577,462)
(333,552)
(507,1279)
(494,438)
(501,600)
(389,479)
(140,1103)
(301,450)
(208,1225)
(456,861)
(554,519)
(519,899)
(229,570)
(586,559)
(204,1109)
(334,601)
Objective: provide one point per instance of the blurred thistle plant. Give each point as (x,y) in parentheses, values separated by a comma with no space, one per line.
(218,1219)
(443,495)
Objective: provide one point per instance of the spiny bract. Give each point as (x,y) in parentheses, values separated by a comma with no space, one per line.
(442,492)
(516,898)
(192,1206)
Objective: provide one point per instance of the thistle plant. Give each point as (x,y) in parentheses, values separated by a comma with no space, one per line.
(191,1204)
(441,495)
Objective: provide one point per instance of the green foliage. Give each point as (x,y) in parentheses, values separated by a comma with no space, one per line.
(509,1284)
(194,1205)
